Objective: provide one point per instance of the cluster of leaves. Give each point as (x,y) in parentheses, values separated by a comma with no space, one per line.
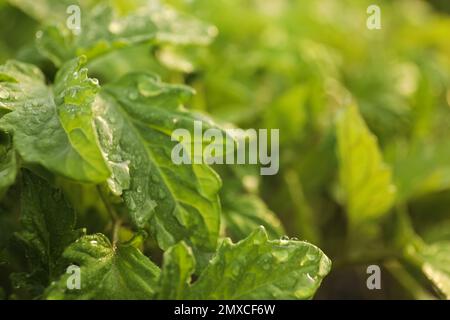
(364,172)
(72,149)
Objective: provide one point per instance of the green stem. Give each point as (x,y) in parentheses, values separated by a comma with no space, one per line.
(407,281)
(304,215)
(115,219)
(109,208)
(116,228)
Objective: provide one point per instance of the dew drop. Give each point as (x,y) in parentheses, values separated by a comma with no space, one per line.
(133,95)
(83,73)
(280,255)
(149,88)
(94,81)
(310,278)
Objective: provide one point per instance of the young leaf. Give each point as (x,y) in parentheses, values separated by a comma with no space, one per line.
(423,169)
(48,224)
(178,266)
(53,127)
(258,268)
(135,118)
(365,179)
(107,272)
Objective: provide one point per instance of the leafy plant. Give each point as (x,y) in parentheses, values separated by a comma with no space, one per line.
(117,137)
(87,181)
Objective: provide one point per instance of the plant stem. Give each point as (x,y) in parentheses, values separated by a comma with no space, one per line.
(110,209)
(115,219)
(407,281)
(116,228)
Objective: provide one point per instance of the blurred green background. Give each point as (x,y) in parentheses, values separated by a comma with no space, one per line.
(293,65)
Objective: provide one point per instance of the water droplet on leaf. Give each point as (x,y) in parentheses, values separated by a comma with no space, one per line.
(280,255)
(133,95)
(149,88)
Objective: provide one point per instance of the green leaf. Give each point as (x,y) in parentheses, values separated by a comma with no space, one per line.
(107,271)
(242,209)
(44,10)
(243,213)
(178,266)
(434,260)
(135,118)
(48,223)
(365,179)
(422,169)
(105,28)
(20,83)
(53,126)
(258,268)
